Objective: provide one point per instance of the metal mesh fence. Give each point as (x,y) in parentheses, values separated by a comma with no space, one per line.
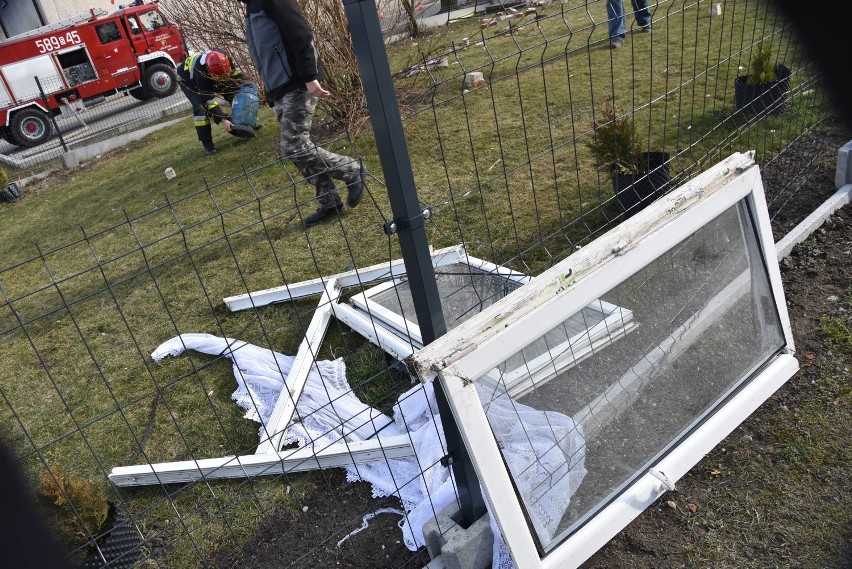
(34,139)
(508,131)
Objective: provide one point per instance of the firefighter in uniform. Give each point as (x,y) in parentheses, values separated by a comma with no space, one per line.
(202,77)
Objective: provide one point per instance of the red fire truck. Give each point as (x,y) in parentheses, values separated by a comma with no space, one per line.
(79,61)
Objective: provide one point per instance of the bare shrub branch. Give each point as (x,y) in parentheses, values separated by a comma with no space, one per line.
(214,23)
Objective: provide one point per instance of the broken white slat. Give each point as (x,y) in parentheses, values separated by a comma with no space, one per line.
(355,277)
(374,331)
(397,324)
(496,270)
(282,414)
(297,460)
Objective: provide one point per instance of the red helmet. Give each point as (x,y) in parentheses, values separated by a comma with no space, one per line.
(217,64)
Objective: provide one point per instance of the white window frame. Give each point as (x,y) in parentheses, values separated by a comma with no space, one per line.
(475,347)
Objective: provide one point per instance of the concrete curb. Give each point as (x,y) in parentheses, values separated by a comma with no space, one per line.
(93,150)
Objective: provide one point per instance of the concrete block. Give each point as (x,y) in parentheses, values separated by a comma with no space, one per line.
(458,547)
(843,170)
(69,160)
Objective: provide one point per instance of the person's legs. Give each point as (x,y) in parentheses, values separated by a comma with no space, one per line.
(295,113)
(617,24)
(202,121)
(643,14)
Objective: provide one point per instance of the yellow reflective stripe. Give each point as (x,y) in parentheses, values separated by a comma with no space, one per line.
(205,122)
(189,64)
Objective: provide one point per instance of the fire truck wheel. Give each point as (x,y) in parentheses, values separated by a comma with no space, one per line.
(31,127)
(140,94)
(160,80)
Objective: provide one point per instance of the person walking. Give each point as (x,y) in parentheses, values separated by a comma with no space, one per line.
(201,77)
(281,45)
(618,21)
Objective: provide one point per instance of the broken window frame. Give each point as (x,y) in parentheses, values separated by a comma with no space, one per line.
(473,349)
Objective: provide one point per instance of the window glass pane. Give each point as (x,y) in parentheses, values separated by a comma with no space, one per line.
(152,20)
(108,32)
(134,25)
(620,385)
(464,292)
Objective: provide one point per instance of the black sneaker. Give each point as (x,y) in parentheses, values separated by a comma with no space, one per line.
(210,150)
(318,216)
(645,29)
(356,188)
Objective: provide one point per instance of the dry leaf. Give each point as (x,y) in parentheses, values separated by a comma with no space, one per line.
(715,472)
(810,356)
(692,508)
(671,505)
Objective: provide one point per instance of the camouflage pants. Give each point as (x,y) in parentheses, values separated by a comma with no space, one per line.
(295,111)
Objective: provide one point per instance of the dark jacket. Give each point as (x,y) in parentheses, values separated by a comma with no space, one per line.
(201,89)
(281,45)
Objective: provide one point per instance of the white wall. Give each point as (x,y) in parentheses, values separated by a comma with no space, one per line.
(57,10)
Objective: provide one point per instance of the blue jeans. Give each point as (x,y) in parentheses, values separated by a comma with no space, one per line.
(617,20)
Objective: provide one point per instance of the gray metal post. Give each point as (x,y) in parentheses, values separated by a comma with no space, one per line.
(408,222)
(50,114)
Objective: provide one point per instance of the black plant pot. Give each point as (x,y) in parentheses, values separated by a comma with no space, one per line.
(766,97)
(635,191)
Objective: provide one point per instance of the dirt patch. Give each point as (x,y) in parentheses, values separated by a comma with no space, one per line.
(309,539)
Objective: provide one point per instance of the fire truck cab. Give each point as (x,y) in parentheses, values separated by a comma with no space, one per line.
(62,67)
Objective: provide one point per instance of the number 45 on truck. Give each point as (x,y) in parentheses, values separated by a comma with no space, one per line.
(80,61)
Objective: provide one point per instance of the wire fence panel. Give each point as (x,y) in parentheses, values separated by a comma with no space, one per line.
(35,138)
(208,383)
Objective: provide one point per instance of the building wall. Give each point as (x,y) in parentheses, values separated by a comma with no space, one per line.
(19,16)
(57,10)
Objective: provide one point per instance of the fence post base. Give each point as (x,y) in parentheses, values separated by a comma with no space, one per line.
(69,160)
(459,548)
(843,170)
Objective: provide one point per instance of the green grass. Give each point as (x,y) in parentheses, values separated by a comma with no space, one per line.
(126,259)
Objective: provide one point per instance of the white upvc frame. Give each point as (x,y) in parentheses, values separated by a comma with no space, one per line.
(309,347)
(267,464)
(268,459)
(471,350)
(355,277)
(404,327)
(400,337)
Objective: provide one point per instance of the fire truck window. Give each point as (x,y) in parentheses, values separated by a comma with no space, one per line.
(152,21)
(108,32)
(134,26)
